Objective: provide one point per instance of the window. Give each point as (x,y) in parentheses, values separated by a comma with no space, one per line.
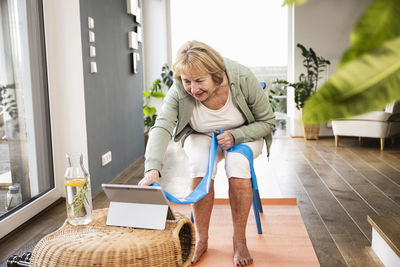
(25,148)
(254,33)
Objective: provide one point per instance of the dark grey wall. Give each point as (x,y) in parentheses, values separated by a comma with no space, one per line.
(113,95)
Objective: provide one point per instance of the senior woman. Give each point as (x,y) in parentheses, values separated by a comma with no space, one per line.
(211,92)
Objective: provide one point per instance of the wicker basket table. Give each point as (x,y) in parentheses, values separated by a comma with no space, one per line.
(97,244)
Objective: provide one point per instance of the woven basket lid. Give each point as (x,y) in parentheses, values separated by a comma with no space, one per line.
(97,244)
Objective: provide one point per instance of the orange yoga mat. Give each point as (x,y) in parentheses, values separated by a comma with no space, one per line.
(284,241)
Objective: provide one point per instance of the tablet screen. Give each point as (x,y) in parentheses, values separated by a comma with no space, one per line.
(136,194)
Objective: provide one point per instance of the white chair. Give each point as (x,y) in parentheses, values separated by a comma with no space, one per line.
(373,125)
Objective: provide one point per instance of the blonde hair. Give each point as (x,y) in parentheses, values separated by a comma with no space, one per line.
(195,57)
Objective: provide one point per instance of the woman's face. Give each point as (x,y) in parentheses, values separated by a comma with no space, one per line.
(200,86)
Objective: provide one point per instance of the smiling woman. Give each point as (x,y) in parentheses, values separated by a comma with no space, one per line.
(211,93)
(199,86)
(202,74)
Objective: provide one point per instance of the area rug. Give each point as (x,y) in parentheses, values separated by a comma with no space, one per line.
(284,241)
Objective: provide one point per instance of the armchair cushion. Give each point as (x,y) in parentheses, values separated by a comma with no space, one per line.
(361,128)
(373,124)
(372,116)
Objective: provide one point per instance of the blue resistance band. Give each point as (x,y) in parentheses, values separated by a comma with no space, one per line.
(203,187)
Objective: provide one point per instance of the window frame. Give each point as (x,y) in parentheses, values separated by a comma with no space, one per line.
(41,140)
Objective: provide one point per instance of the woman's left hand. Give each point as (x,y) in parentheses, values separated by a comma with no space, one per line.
(225,140)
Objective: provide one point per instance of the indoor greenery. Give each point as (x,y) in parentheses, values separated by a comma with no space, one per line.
(368,76)
(78,202)
(7,100)
(156,91)
(272,93)
(308,82)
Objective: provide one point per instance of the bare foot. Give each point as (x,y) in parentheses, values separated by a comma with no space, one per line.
(241,254)
(199,250)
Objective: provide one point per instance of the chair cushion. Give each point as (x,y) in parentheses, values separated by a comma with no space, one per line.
(361,128)
(372,116)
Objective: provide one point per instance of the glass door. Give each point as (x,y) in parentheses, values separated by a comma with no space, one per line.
(26,172)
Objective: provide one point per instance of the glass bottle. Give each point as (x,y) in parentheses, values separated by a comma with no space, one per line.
(14,197)
(77,188)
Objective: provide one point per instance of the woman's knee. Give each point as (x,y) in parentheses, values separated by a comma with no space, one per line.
(237,165)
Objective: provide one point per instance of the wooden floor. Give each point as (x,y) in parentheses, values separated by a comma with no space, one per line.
(336,188)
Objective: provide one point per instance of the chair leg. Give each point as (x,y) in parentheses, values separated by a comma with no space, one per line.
(382,143)
(257,195)
(257,206)
(257,214)
(359,140)
(336,140)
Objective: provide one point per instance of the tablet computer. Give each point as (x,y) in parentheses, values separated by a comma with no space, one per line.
(137,206)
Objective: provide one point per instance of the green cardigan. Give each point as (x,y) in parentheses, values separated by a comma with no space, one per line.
(173,121)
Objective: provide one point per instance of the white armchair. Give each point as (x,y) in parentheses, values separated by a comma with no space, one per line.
(373,124)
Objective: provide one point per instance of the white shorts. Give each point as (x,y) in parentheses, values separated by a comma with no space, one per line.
(197,149)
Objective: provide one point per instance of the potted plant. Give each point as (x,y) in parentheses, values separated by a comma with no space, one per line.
(307,84)
(156,91)
(9,110)
(7,100)
(274,92)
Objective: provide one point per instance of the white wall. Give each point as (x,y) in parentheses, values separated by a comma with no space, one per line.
(66,87)
(324,25)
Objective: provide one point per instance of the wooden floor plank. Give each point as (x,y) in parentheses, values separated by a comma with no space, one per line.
(381,166)
(393,153)
(318,190)
(389,158)
(390,199)
(356,251)
(344,192)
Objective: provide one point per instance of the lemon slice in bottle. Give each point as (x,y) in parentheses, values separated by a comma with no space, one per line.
(75,182)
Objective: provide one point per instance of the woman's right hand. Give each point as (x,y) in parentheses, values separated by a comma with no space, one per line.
(150,177)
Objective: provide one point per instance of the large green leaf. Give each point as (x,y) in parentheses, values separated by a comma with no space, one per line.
(363,84)
(380,22)
(153,94)
(149,111)
(157,95)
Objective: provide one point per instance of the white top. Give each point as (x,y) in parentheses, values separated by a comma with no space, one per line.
(205,120)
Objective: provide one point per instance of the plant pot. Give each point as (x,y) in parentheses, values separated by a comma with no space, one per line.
(311,132)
